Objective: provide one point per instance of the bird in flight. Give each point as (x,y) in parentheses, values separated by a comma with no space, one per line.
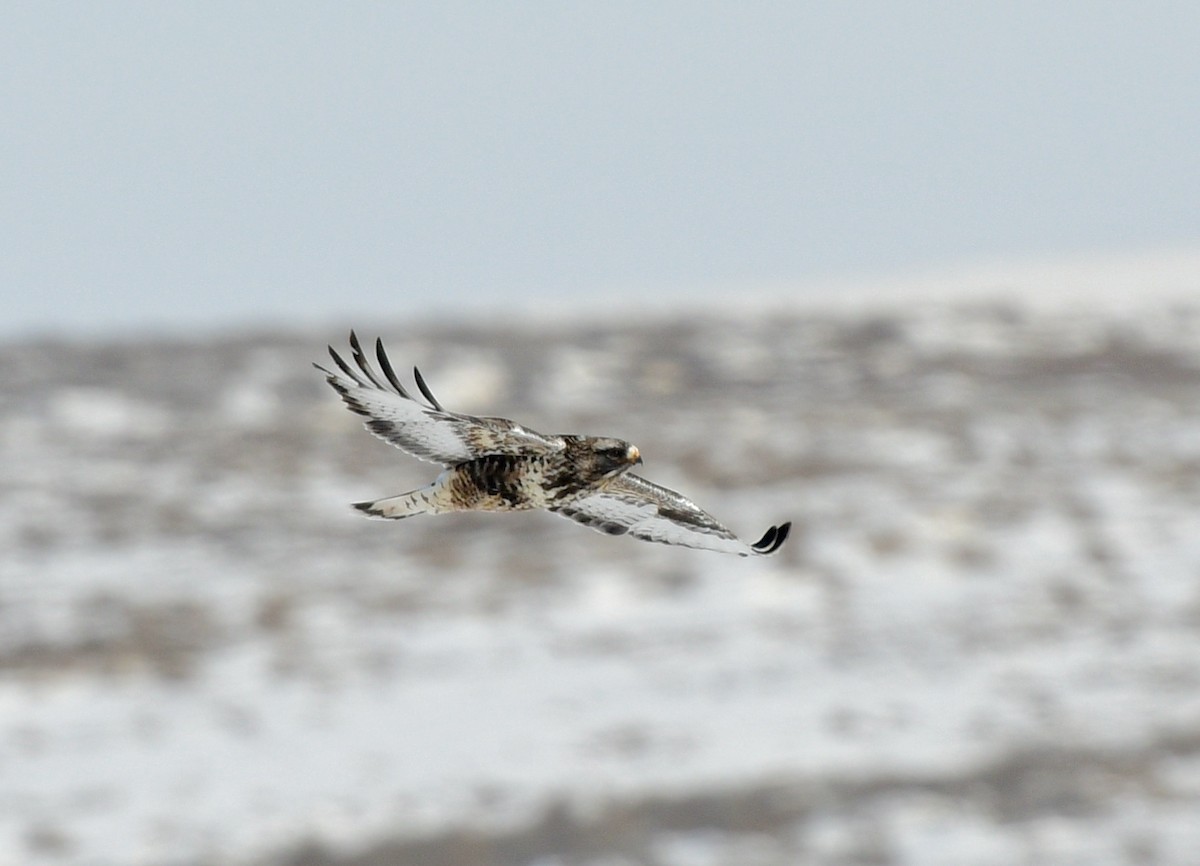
(493,464)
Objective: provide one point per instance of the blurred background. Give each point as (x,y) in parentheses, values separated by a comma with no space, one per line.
(919,277)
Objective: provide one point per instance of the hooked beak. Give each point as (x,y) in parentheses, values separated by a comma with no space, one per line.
(633,455)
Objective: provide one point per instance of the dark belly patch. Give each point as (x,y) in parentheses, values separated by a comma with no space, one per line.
(496,482)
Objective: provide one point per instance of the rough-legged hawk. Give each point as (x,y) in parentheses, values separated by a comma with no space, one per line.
(493,464)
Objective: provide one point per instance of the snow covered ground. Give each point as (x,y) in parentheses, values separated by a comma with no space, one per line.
(981,647)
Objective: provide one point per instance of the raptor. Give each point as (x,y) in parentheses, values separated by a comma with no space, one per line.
(494,464)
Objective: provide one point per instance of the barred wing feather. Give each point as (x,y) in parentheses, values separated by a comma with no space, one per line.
(631,504)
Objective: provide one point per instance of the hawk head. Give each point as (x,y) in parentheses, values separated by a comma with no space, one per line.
(608,457)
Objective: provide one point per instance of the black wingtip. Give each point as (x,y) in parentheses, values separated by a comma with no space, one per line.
(344,367)
(425,390)
(386,364)
(364,375)
(364,363)
(772,539)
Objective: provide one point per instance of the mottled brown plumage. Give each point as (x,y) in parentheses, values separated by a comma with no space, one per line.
(494,464)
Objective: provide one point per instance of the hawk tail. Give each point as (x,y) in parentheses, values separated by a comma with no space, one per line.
(398,507)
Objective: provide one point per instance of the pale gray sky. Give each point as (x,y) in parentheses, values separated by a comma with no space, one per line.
(209,163)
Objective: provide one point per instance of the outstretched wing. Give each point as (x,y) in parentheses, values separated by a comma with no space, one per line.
(425,431)
(631,504)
